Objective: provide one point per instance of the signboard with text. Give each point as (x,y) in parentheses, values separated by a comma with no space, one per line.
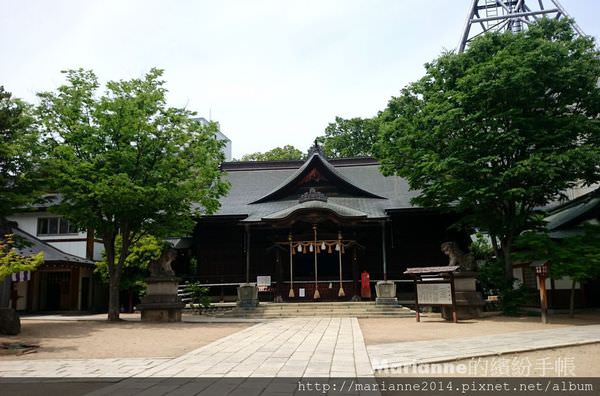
(434,293)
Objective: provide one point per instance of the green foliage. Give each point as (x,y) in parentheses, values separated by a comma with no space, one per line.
(481,248)
(512,299)
(200,297)
(11,261)
(354,137)
(135,268)
(287,152)
(577,257)
(500,129)
(19,153)
(494,283)
(126,163)
(193,266)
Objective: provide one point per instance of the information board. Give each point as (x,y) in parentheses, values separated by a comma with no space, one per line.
(434,293)
(263,280)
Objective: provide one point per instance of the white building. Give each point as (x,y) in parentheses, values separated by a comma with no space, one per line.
(56,231)
(220,136)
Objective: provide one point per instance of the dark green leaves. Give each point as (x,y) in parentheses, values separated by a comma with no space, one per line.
(501,129)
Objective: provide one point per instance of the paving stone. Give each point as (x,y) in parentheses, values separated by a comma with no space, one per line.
(400,354)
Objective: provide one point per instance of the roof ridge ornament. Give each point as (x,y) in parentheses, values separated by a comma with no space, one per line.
(312,195)
(316,149)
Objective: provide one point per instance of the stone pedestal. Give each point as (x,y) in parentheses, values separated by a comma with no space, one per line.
(469,302)
(161,302)
(247,295)
(386,293)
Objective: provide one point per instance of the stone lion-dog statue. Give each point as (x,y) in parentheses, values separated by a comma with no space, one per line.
(162,266)
(464,260)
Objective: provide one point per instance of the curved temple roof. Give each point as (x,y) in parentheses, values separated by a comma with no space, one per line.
(339,210)
(268,190)
(316,160)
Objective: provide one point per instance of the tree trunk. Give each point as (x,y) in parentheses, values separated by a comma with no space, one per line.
(506,252)
(130,308)
(113,296)
(495,247)
(572,299)
(113,277)
(5,286)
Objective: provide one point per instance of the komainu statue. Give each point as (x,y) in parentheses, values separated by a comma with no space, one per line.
(162,266)
(464,260)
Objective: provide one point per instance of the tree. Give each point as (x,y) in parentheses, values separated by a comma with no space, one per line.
(499,130)
(354,137)
(19,153)
(576,257)
(287,152)
(135,269)
(127,164)
(11,261)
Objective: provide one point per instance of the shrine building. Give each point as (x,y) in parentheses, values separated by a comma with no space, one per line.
(302,226)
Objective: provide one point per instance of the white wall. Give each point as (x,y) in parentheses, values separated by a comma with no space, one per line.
(74,244)
(563,283)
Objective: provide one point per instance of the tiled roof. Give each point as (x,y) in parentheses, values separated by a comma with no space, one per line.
(33,245)
(255,181)
(574,212)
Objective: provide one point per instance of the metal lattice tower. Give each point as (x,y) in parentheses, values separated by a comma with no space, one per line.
(512,15)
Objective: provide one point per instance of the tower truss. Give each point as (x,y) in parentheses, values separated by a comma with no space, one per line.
(508,15)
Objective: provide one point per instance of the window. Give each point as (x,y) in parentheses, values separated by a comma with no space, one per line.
(55,226)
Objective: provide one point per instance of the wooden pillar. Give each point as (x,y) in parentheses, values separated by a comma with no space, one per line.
(383,251)
(317,295)
(279,272)
(291,293)
(543,298)
(247,227)
(74,288)
(355,272)
(417,310)
(341,292)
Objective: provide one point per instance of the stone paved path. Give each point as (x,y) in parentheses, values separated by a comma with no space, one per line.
(387,356)
(257,360)
(70,368)
(315,347)
(298,347)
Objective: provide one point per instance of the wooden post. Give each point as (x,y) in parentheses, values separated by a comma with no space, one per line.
(317,295)
(417,300)
(247,254)
(291,293)
(453,293)
(355,274)
(383,250)
(543,297)
(341,292)
(277,294)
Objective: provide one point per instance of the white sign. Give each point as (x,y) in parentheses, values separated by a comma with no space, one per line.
(263,281)
(434,293)
(301,292)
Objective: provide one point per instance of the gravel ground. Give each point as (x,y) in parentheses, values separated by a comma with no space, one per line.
(96,339)
(575,361)
(580,361)
(433,327)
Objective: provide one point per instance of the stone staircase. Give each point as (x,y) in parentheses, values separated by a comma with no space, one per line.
(323,309)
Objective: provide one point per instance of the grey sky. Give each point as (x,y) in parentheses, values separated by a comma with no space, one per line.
(271,72)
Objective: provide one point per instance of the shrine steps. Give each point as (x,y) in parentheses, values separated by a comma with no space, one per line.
(322,309)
